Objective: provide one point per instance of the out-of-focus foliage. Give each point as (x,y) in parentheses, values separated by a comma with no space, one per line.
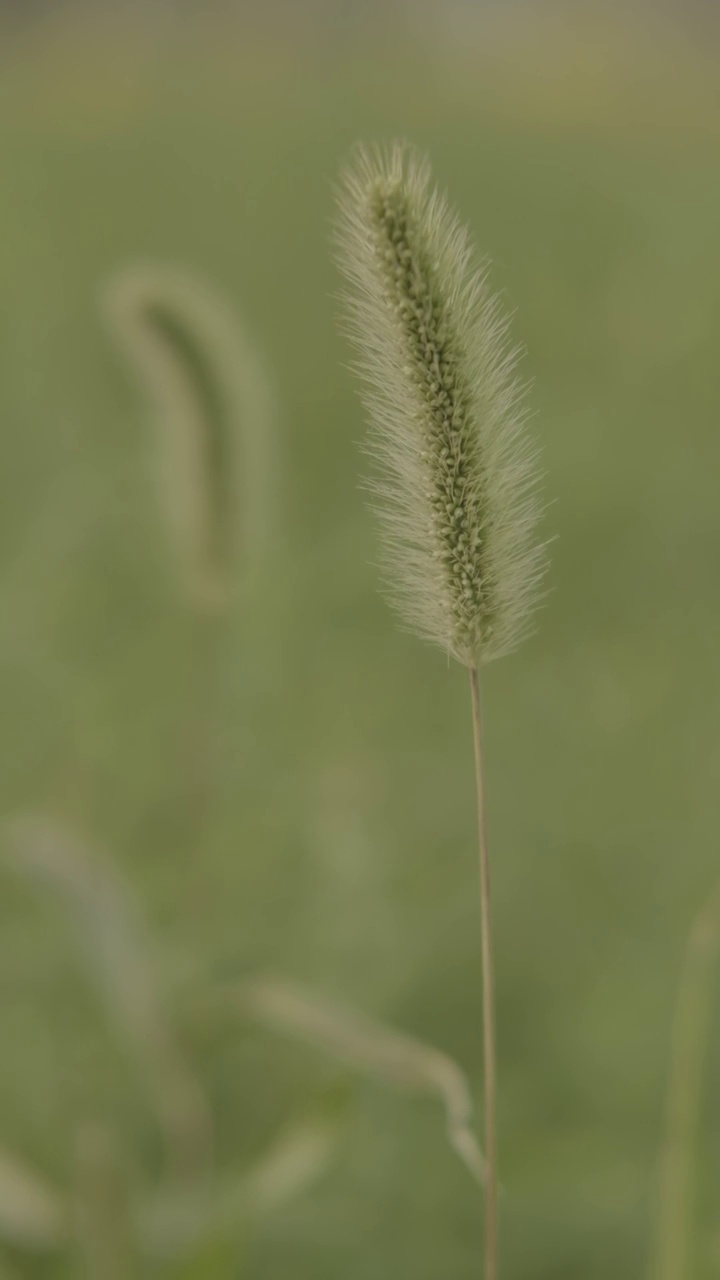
(335,844)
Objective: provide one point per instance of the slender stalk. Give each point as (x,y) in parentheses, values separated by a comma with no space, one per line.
(200,770)
(691,1025)
(488,996)
(103,1220)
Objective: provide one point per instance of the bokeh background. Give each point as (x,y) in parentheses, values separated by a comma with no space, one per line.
(331,842)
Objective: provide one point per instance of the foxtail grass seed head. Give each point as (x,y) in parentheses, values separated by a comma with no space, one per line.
(455,475)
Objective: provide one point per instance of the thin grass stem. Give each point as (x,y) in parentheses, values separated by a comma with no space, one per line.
(102,1210)
(688,1054)
(488,994)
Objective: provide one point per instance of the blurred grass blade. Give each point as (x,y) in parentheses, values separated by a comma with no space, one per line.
(102,1212)
(296,1160)
(688,1058)
(219,1256)
(390,1056)
(32,1215)
(110,934)
(212,401)
(174,1223)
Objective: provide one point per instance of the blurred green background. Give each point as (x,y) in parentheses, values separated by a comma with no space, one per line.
(337,846)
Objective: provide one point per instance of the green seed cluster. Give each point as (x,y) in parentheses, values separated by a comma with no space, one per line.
(453,471)
(444,416)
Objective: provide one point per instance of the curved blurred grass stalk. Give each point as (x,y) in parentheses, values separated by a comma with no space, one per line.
(213,407)
(33,1216)
(371,1047)
(112,1231)
(688,1054)
(171,1224)
(214,411)
(111,938)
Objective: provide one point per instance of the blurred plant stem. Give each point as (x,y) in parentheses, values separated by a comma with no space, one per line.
(691,1022)
(109,930)
(488,995)
(33,1214)
(103,1220)
(199,766)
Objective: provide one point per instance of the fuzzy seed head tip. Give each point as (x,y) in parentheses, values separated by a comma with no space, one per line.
(454,473)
